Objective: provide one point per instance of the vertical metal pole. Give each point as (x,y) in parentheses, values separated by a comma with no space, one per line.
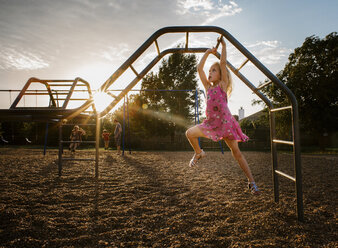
(124,123)
(128,125)
(195,109)
(221,146)
(97,145)
(46,136)
(10,97)
(197,114)
(60,148)
(274,156)
(297,162)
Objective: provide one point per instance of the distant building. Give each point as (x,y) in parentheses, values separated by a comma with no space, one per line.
(241,113)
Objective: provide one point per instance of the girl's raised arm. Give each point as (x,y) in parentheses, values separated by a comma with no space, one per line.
(223,63)
(200,67)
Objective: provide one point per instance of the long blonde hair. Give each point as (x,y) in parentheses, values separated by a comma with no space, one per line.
(229,86)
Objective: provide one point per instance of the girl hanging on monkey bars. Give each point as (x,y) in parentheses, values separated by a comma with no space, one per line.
(219,123)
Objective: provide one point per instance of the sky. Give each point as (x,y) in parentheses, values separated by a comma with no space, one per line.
(65,39)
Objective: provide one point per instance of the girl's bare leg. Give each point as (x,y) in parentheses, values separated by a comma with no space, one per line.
(193,134)
(236,153)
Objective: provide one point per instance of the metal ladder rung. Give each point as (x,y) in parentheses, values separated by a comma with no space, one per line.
(291,143)
(282,108)
(186,40)
(72,99)
(285,175)
(59,93)
(78,159)
(38,94)
(58,81)
(263,85)
(242,65)
(133,69)
(219,41)
(111,94)
(66,85)
(157,48)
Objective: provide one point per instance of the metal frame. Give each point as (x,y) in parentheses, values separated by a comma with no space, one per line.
(52,113)
(96,142)
(55,113)
(295,143)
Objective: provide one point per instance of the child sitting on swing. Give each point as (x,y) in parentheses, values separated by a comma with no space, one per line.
(76,135)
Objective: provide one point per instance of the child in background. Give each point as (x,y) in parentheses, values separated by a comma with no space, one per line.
(219,123)
(105,136)
(117,136)
(76,135)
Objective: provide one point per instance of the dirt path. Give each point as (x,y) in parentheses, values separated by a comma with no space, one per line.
(153,199)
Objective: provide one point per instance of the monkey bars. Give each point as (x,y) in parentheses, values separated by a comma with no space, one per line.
(60,93)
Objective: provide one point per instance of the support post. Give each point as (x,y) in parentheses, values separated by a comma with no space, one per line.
(60,148)
(128,127)
(297,163)
(124,124)
(46,137)
(197,119)
(221,146)
(274,156)
(97,146)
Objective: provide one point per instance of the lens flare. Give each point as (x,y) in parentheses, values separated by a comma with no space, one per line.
(101,100)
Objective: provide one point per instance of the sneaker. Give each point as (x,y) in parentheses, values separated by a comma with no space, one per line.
(253,188)
(195,158)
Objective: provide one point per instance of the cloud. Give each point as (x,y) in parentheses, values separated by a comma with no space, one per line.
(14,59)
(117,53)
(269,52)
(208,10)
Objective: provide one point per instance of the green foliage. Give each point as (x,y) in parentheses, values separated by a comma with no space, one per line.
(258,128)
(312,75)
(163,113)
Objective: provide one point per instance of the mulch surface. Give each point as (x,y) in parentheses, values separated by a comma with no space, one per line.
(153,199)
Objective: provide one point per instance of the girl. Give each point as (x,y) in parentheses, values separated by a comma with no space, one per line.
(219,124)
(105,137)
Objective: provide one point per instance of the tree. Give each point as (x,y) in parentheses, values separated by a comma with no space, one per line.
(178,72)
(312,75)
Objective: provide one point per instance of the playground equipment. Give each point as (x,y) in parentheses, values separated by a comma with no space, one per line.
(60,94)
(58,114)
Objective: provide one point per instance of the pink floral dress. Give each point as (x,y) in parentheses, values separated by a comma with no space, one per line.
(220,123)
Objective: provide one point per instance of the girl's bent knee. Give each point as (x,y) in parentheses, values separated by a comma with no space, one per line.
(188,133)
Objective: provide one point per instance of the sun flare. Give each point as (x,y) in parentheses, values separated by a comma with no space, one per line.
(101,100)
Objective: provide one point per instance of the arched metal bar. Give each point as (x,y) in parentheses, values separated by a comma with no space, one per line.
(294,105)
